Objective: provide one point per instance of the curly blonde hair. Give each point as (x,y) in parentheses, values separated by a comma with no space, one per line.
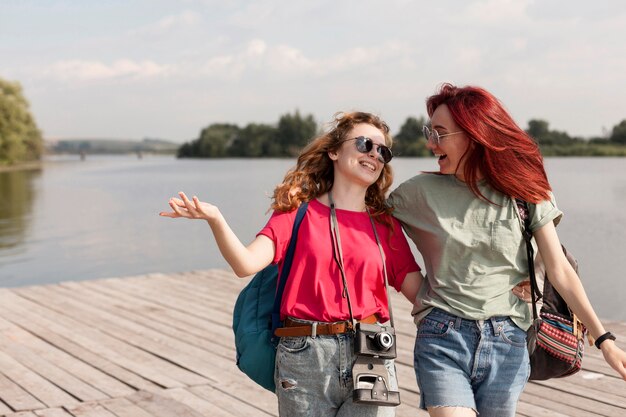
(313,174)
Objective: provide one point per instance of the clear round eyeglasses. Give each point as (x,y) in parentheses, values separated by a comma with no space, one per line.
(435,136)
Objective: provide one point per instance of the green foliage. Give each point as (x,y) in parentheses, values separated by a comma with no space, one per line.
(539,130)
(618,135)
(20,139)
(555,143)
(597,148)
(214,141)
(254,140)
(410,140)
(112,146)
(294,132)
(291,134)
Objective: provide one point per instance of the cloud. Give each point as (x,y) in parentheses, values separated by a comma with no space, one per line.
(167,24)
(285,60)
(257,56)
(95,70)
(500,12)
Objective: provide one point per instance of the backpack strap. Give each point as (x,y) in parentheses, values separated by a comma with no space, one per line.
(284,273)
(535,294)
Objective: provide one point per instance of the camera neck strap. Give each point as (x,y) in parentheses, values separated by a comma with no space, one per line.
(338,255)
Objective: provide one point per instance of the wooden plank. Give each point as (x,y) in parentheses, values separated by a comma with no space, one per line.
(28,321)
(601,400)
(14,342)
(159,405)
(164,298)
(16,397)
(4,409)
(52,412)
(113,346)
(122,407)
(32,382)
(204,407)
(102,382)
(174,350)
(157,318)
(118,352)
(237,403)
(531,410)
(22,414)
(556,399)
(89,410)
(193,325)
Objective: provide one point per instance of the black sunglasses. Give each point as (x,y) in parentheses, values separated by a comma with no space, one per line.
(365,145)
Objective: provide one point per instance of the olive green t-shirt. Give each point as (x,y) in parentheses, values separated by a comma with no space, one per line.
(473,251)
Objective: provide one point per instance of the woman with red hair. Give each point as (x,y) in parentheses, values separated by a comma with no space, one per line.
(470,351)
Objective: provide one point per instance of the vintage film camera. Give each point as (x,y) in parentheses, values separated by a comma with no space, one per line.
(373,344)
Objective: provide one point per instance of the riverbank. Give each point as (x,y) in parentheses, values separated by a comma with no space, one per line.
(25,166)
(161,345)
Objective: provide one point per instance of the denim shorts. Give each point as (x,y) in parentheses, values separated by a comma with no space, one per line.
(477,364)
(314,378)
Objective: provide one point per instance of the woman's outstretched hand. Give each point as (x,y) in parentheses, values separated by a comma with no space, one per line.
(191,209)
(615,357)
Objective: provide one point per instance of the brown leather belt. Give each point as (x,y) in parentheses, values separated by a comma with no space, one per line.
(293,328)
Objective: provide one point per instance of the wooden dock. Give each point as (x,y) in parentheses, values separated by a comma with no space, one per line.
(161,345)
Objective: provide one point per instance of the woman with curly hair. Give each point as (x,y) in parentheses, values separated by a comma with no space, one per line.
(470,352)
(344,176)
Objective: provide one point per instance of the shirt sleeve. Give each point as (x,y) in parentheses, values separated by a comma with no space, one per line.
(399,258)
(278,229)
(544,212)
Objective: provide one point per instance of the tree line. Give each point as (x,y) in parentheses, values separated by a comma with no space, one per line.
(294,131)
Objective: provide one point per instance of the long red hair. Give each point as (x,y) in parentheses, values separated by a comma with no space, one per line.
(506,156)
(313,174)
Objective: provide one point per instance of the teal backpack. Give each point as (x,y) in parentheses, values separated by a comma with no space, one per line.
(257,315)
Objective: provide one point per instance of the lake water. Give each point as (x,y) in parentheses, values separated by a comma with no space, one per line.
(77,220)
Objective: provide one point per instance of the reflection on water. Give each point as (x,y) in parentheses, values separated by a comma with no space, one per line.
(16,203)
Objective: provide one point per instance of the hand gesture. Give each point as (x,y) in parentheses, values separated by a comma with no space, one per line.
(191,209)
(615,357)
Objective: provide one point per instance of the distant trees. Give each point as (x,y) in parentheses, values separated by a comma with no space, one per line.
(557,143)
(410,140)
(286,138)
(539,130)
(20,139)
(618,135)
(294,131)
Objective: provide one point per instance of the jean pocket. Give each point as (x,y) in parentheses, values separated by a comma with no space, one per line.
(512,334)
(294,344)
(432,327)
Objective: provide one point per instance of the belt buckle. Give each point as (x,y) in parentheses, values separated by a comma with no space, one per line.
(313,330)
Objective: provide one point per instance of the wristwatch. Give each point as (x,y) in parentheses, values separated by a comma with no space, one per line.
(605,336)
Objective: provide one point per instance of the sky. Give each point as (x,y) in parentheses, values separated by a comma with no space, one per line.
(166,69)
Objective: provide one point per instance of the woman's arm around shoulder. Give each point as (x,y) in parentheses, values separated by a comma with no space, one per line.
(244,260)
(563,277)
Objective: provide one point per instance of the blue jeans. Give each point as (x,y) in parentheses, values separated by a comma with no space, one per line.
(314,378)
(482,365)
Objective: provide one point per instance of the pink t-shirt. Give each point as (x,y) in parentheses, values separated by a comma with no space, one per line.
(314,288)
